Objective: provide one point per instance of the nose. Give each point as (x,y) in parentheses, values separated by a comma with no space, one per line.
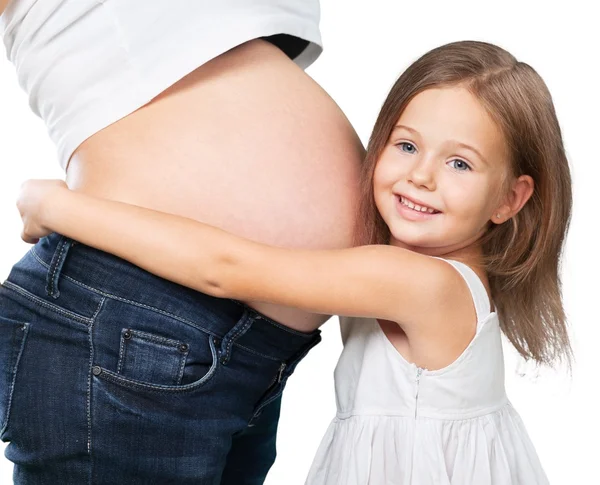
(422,174)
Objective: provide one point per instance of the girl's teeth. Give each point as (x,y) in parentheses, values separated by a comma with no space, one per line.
(416,206)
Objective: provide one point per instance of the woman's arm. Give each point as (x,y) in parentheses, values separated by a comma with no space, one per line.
(369,281)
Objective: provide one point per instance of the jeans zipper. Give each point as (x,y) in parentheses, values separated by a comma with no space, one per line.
(278,377)
(281,369)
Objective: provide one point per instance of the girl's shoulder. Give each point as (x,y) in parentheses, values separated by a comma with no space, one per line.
(478,290)
(453,320)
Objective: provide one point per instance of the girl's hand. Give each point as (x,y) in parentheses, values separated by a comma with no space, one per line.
(34,196)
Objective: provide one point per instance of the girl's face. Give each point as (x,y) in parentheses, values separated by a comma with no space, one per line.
(439,180)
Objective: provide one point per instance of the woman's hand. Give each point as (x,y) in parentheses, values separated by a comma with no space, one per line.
(31,202)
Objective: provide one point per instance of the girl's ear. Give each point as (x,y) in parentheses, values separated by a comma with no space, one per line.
(518,194)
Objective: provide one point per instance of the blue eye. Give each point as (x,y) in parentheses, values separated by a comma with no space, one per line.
(407,147)
(460,165)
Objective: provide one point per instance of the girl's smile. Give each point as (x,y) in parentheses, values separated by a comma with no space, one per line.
(415,211)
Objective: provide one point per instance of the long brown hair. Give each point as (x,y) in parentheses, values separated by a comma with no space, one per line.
(522,256)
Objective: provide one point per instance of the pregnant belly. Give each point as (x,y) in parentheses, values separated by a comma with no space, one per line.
(248,143)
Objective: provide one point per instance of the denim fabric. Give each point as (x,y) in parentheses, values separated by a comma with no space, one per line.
(111,375)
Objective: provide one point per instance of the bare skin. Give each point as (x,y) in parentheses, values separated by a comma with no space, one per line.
(439,182)
(248,143)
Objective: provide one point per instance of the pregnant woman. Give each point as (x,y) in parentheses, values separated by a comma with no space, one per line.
(111,375)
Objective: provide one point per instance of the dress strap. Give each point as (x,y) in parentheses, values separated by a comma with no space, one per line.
(476,287)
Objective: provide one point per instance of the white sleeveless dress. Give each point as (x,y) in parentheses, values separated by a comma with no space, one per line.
(398,424)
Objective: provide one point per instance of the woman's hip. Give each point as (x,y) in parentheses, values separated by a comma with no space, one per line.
(100,358)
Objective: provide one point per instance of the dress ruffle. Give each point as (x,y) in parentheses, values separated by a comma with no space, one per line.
(493,449)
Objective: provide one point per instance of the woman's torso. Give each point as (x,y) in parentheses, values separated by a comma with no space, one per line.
(246,142)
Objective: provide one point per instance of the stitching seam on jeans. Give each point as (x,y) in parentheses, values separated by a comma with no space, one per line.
(30,296)
(167,342)
(176,317)
(231,340)
(264,318)
(254,352)
(182,362)
(13,377)
(118,298)
(56,262)
(122,355)
(89,390)
(284,328)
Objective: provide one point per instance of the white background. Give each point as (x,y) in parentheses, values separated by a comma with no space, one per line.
(367,44)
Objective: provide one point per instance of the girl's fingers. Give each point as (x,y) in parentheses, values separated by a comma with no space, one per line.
(28,239)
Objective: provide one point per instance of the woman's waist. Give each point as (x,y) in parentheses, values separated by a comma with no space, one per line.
(77,281)
(63,272)
(247,142)
(255,208)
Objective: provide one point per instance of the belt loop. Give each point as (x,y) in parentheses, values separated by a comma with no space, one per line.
(58,259)
(239,329)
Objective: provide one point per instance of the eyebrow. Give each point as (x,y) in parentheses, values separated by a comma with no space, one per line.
(404,127)
(458,143)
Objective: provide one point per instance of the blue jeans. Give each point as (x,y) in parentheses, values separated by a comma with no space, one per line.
(111,375)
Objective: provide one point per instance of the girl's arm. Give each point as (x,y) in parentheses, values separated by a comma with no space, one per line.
(369,281)
(3,4)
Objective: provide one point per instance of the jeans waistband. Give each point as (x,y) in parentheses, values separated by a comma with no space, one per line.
(79,276)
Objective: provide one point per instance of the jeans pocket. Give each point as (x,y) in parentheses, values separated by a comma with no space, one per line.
(13,335)
(147,377)
(152,358)
(146,350)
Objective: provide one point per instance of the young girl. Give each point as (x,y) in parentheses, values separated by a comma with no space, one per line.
(466,201)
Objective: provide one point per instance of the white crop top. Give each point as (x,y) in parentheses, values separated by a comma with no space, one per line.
(87,63)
